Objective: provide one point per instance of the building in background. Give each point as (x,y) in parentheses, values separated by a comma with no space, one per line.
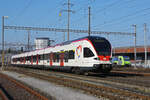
(41,43)
(129,51)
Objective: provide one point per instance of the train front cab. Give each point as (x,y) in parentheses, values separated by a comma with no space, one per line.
(98,54)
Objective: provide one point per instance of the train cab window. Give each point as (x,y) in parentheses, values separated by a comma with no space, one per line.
(88,52)
(71,54)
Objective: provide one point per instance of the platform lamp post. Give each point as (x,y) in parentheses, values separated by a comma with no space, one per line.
(3,52)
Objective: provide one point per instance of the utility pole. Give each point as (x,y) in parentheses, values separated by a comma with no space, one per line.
(145,40)
(64,36)
(68,19)
(3,43)
(28,40)
(3,52)
(68,11)
(134,45)
(89,26)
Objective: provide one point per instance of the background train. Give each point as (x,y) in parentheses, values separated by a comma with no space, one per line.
(91,53)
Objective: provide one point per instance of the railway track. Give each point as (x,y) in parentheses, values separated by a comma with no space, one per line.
(3,96)
(14,90)
(106,91)
(132,73)
(132,69)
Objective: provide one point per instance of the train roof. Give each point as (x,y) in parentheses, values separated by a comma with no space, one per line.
(88,37)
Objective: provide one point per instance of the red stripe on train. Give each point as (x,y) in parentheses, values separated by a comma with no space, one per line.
(104,58)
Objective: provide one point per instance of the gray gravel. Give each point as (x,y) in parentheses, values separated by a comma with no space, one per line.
(57,91)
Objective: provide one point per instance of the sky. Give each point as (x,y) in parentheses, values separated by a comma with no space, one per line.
(106,15)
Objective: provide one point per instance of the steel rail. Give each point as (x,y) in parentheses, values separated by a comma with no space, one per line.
(100,91)
(133,73)
(24,87)
(2,95)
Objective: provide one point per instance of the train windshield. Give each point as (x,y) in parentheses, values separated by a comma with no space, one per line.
(102,46)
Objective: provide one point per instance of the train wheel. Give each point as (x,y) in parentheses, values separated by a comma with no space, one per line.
(76,70)
(107,70)
(86,73)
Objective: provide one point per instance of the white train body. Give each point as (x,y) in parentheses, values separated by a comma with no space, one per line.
(89,53)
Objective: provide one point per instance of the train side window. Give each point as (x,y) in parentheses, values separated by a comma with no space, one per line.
(66,55)
(57,56)
(34,59)
(29,58)
(46,56)
(54,57)
(71,54)
(18,59)
(88,52)
(14,59)
(39,57)
(42,57)
(26,58)
(50,57)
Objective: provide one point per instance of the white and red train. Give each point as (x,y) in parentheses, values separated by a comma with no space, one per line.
(90,53)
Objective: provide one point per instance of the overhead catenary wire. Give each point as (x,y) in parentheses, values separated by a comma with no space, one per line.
(63,30)
(122,17)
(108,6)
(101,10)
(113,4)
(85,7)
(22,11)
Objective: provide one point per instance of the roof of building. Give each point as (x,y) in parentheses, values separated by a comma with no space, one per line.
(139,49)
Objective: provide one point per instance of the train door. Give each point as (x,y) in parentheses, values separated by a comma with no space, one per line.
(88,56)
(51,59)
(61,59)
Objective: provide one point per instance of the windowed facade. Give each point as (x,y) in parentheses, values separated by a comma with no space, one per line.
(88,53)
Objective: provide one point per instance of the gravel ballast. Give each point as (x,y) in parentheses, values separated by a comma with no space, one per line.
(57,91)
